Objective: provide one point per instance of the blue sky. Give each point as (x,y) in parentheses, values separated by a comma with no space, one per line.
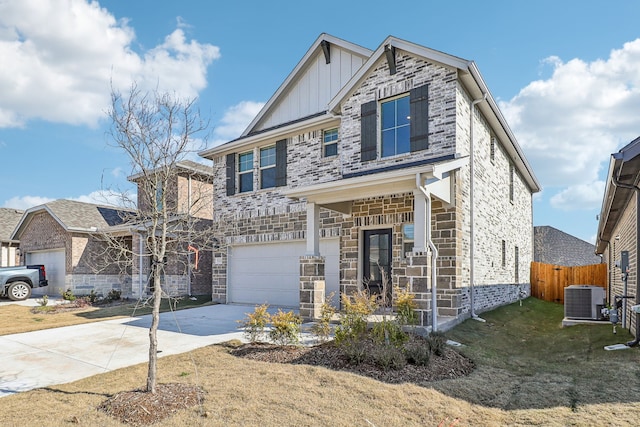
(565,74)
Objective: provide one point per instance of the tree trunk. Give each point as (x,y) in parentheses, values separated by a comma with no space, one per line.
(153,333)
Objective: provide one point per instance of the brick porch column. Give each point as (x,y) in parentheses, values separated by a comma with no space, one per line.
(312,285)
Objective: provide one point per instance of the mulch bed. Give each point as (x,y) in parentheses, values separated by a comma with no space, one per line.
(450,364)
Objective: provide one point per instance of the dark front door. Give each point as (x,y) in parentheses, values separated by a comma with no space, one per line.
(376,260)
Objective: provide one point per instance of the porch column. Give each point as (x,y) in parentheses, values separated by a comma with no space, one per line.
(313,229)
(420,218)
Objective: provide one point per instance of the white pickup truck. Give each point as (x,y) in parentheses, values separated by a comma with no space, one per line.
(17,282)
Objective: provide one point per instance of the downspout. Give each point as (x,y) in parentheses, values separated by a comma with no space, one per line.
(609,269)
(434,256)
(617,183)
(471,210)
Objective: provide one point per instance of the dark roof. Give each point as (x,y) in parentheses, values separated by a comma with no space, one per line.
(9,219)
(552,246)
(77,216)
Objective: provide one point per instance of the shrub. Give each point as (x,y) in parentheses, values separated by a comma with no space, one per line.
(389,333)
(68,295)
(353,319)
(43,301)
(322,327)
(285,328)
(356,350)
(255,323)
(387,357)
(417,352)
(437,342)
(114,295)
(406,306)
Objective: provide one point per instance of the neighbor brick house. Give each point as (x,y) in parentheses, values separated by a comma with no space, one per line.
(65,236)
(618,228)
(395,159)
(9,218)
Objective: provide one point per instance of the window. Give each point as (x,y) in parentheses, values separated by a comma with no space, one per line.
(504,254)
(511,173)
(245,171)
(268,167)
(159,194)
(395,126)
(330,143)
(517,261)
(407,239)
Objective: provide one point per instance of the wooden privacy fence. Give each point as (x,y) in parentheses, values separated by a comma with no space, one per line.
(548,281)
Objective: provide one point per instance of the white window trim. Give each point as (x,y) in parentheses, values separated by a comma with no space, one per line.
(261,168)
(248,171)
(324,144)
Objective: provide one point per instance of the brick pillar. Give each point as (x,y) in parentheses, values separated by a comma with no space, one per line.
(311,286)
(418,278)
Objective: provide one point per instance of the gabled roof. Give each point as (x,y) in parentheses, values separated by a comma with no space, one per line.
(323,45)
(184,166)
(75,216)
(624,172)
(9,219)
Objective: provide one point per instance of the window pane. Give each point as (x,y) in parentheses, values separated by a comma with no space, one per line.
(407,232)
(402,109)
(388,114)
(268,178)
(388,143)
(267,156)
(331,150)
(246,182)
(402,140)
(330,135)
(246,161)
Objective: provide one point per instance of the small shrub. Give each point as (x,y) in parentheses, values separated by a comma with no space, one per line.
(353,319)
(406,307)
(285,328)
(43,301)
(114,295)
(356,350)
(322,327)
(387,357)
(93,297)
(437,343)
(417,352)
(389,332)
(255,323)
(68,295)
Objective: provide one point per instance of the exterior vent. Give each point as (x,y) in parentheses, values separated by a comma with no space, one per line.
(583,302)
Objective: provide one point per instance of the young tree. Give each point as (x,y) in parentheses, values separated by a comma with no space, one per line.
(157,132)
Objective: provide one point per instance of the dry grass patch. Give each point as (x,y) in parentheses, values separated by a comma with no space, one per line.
(16,319)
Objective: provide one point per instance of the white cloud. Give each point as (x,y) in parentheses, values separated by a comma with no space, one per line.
(234,121)
(105,197)
(25,202)
(59,57)
(570,123)
(579,197)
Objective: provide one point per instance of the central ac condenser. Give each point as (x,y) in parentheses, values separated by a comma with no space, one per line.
(583,302)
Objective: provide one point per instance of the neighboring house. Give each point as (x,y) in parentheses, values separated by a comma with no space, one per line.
(552,246)
(65,236)
(9,254)
(189,200)
(366,160)
(618,226)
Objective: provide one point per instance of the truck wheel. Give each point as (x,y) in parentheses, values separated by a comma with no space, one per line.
(19,291)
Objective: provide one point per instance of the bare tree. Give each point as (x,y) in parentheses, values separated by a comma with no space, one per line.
(157,132)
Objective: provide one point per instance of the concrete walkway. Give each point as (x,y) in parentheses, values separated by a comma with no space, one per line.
(56,356)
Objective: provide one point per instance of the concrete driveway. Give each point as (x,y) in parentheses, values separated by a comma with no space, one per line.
(55,356)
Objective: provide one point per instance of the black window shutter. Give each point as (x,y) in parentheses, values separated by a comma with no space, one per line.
(368,131)
(231,174)
(419,110)
(281,163)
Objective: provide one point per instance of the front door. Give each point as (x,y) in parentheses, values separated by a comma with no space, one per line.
(376,260)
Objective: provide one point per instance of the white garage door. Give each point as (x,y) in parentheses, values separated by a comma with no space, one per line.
(54,264)
(270,272)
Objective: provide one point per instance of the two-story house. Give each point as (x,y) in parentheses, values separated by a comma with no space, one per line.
(396,159)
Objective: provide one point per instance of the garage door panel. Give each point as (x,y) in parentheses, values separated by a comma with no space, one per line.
(54,264)
(269,273)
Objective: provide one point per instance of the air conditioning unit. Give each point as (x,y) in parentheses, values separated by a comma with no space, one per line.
(583,302)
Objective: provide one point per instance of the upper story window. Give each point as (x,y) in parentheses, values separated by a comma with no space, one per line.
(271,167)
(330,143)
(395,126)
(268,167)
(159,195)
(245,172)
